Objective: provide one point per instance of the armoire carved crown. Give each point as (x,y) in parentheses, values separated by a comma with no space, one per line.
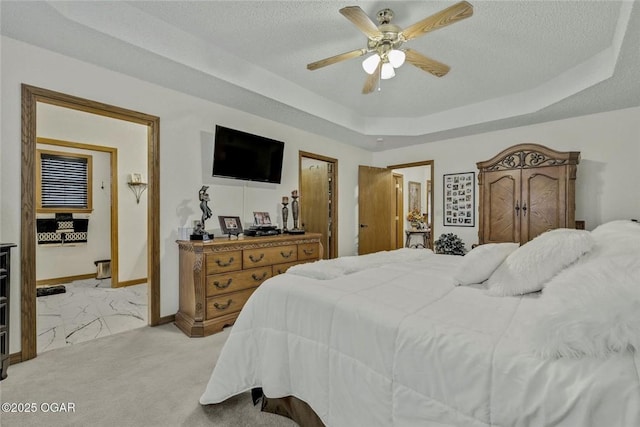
(528,156)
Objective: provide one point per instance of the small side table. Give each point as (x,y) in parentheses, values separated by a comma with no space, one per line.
(425,238)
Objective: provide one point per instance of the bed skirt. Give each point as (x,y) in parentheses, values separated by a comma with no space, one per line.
(290,407)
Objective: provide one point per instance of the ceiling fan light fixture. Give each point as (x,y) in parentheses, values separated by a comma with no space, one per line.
(396,58)
(387,71)
(371,63)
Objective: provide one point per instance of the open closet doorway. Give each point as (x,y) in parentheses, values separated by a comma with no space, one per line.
(32,98)
(413,183)
(318,199)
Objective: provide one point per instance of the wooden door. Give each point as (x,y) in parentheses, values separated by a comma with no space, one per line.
(544,204)
(501,206)
(314,201)
(375,209)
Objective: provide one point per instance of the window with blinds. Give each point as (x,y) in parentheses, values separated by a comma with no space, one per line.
(64,181)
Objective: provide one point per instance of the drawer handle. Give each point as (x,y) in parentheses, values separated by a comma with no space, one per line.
(286,255)
(308,251)
(224,264)
(280,271)
(223,285)
(222,306)
(256,259)
(256,278)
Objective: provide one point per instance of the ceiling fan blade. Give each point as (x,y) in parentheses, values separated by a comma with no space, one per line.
(337,58)
(372,81)
(441,19)
(429,65)
(361,20)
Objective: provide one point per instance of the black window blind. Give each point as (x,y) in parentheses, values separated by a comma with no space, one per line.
(64,181)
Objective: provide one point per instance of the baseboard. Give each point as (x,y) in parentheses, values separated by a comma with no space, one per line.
(129,283)
(166,319)
(62,280)
(15,358)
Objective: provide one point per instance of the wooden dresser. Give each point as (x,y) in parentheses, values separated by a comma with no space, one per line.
(526,190)
(5,288)
(218,277)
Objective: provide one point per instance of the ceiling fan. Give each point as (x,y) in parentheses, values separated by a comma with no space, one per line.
(386,39)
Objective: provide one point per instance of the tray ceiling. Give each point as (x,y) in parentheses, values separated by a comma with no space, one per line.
(512,63)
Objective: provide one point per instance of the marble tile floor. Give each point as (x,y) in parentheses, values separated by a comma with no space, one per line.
(89,309)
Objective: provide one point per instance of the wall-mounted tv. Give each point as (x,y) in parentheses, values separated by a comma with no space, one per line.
(241,155)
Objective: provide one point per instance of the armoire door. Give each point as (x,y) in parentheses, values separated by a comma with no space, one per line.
(501,206)
(544,205)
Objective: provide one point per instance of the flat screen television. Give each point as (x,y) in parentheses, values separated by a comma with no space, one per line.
(241,155)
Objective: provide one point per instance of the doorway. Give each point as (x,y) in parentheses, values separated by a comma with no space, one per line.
(417,195)
(31,96)
(379,204)
(318,198)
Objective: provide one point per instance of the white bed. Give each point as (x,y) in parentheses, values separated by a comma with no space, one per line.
(391,340)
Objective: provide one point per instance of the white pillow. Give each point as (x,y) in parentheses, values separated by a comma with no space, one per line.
(621,226)
(477,265)
(534,263)
(591,309)
(616,238)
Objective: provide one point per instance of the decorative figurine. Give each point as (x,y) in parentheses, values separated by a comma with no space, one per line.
(295,211)
(200,233)
(285,213)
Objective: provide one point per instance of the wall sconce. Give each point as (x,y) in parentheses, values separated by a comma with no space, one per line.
(137,185)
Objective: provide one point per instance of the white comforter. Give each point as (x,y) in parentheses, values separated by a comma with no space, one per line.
(400,345)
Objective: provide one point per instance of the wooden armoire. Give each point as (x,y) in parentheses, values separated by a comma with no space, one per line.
(524,191)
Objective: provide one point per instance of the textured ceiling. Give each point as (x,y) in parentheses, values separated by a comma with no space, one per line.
(512,63)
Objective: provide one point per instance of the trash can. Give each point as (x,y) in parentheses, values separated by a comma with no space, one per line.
(104,268)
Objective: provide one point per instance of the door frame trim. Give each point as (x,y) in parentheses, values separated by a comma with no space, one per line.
(333,242)
(31,95)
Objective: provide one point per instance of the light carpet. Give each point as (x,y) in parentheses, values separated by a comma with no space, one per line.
(144,377)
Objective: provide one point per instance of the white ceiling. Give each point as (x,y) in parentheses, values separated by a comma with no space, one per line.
(512,63)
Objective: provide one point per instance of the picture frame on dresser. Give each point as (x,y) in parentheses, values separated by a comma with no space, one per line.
(230,225)
(261,218)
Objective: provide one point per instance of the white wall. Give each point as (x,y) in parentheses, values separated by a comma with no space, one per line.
(608,174)
(130,140)
(187,125)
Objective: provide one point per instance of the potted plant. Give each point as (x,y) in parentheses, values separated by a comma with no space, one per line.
(449,244)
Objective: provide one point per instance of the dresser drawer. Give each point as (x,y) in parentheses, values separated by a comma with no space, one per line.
(223,261)
(226,304)
(269,256)
(308,251)
(225,283)
(282,268)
